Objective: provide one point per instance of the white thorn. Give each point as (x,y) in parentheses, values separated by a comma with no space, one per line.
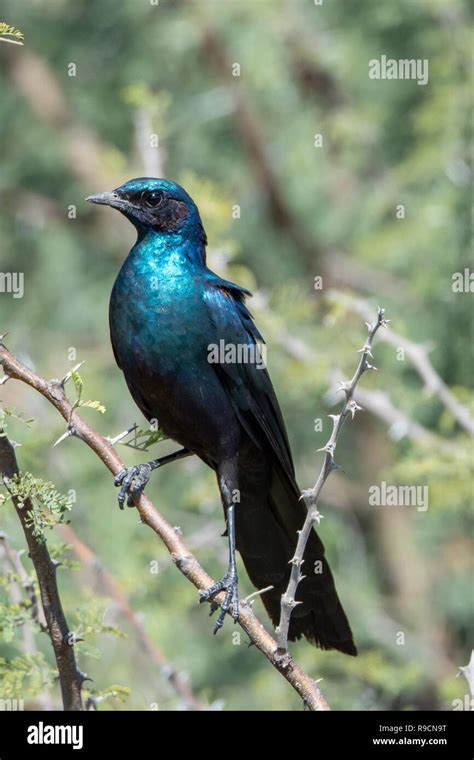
(261,591)
(63,437)
(119,437)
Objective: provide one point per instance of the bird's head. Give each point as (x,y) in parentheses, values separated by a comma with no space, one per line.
(155,204)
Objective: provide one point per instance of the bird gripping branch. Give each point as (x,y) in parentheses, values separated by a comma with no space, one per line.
(167,311)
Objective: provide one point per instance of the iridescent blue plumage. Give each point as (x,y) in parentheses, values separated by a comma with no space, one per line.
(167,309)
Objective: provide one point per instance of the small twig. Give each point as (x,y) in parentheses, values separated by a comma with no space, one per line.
(288,601)
(249,599)
(12,42)
(70,677)
(52,390)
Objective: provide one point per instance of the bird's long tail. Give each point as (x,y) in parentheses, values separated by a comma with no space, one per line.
(267,520)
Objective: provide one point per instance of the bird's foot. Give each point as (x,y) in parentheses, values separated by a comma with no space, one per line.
(229,584)
(132,481)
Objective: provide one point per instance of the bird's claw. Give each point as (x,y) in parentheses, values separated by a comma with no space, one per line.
(132,481)
(229,584)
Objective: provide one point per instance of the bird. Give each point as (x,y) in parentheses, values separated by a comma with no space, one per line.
(172,323)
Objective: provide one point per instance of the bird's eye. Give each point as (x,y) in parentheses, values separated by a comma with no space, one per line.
(153,199)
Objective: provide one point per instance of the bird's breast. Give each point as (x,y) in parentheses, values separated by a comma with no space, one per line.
(160,335)
(156,321)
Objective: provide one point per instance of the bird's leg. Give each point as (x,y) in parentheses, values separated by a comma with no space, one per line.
(132,480)
(229,582)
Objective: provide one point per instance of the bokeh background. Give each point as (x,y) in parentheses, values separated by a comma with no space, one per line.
(82,103)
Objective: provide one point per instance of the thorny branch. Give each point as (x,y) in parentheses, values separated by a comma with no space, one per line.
(288,601)
(53,391)
(70,677)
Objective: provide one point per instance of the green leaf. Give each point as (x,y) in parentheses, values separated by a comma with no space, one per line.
(49,506)
(94,405)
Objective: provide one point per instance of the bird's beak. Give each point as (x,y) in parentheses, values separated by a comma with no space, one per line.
(108,199)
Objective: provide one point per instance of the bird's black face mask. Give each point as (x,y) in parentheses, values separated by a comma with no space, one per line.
(154,209)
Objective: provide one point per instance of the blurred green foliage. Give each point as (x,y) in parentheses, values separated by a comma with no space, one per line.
(405,576)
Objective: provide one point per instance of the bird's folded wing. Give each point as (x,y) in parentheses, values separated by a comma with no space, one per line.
(248,383)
